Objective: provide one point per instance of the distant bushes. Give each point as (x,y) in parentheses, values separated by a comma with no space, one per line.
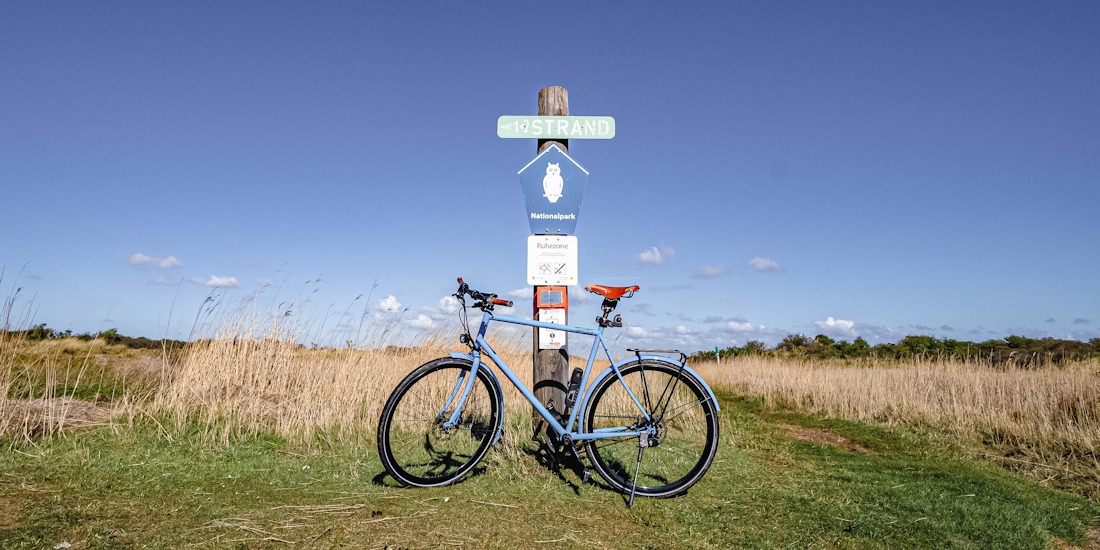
(1016,351)
(109,336)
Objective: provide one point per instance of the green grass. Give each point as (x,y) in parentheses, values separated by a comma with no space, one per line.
(129,487)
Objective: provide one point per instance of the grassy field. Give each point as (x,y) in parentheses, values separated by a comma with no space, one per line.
(1044,423)
(262,444)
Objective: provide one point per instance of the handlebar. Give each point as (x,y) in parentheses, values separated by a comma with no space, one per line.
(482,300)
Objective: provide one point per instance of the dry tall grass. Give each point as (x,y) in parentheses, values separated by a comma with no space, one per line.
(1044,420)
(231,386)
(271,386)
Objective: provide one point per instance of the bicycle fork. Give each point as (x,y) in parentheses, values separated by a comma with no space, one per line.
(461,391)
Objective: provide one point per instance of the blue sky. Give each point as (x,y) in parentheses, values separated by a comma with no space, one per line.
(869,169)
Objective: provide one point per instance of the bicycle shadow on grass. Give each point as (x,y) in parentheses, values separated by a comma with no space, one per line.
(554,462)
(552,455)
(546,453)
(558,462)
(438,463)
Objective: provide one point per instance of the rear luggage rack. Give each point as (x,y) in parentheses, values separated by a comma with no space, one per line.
(639,351)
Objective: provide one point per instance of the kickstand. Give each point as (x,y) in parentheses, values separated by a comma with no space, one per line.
(634,486)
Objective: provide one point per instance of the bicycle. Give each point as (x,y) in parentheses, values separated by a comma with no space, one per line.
(441,420)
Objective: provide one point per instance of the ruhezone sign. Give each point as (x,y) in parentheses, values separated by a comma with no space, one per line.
(553,186)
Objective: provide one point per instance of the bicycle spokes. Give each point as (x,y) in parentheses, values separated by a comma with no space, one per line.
(416,442)
(663,454)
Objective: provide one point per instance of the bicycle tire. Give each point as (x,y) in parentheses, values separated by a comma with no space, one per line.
(687,437)
(414,448)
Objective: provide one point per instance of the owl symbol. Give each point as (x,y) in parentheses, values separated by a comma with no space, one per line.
(552,183)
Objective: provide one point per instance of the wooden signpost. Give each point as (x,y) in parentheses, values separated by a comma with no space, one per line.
(553,184)
(550,367)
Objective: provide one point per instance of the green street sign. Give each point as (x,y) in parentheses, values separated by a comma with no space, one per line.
(556,127)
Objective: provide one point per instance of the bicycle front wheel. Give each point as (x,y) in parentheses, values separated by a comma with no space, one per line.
(684,424)
(415,447)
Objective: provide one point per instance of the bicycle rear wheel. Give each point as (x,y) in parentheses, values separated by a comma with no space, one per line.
(685,423)
(414,446)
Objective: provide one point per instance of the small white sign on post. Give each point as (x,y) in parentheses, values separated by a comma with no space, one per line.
(552,260)
(548,337)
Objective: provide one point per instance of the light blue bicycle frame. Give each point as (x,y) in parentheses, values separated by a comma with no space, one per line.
(462,387)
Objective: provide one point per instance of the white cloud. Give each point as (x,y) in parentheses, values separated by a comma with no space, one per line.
(765,264)
(389,304)
(737,331)
(448,304)
(217,282)
(710,271)
(581,296)
(521,293)
(164,281)
(657,256)
(875,334)
(421,321)
(264,282)
(651,256)
(141,259)
(837,327)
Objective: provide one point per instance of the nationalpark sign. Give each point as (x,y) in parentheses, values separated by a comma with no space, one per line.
(553,186)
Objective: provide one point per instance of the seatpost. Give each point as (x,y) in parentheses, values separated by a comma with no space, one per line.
(608,306)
